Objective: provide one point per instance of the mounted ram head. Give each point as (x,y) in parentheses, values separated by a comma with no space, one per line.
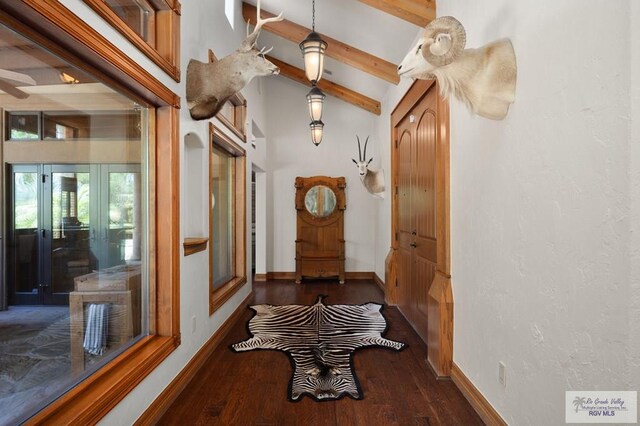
(484,78)
(372,180)
(210,85)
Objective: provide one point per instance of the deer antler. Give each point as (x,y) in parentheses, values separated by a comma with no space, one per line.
(264,52)
(252,38)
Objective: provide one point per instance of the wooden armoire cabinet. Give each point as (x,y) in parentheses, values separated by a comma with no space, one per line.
(320,206)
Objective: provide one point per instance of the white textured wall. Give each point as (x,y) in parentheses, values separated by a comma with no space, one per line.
(291,153)
(540,209)
(633,352)
(546,273)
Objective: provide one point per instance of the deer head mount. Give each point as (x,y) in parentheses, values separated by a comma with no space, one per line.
(372,180)
(484,78)
(210,85)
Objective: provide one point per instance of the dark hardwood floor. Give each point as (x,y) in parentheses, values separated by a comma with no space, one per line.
(250,388)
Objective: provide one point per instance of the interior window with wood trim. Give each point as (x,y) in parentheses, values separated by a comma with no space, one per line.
(153,26)
(227,218)
(88,296)
(233,114)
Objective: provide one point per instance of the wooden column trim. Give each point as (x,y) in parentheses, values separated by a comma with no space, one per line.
(391,278)
(443,216)
(440,315)
(330,88)
(336,49)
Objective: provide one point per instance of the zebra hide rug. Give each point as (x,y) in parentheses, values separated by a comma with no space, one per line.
(320,341)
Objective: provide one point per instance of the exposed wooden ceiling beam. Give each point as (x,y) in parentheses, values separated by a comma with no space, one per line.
(337,50)
(328,87)
(418,12)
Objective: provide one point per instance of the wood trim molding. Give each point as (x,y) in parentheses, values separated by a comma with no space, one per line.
(164,54)
(485,410)
(92,399)
(281,276)
(440,326)
(225,142)
(55,27)
(415,92)
(292,276)
(418,12)
(194,245)
(218,297)
(160,405)
(51,16)
(260,277)
(440,297)
(360,275)
(391,278)
(330,88)
(167,222)
(221,296)
(380,283)
(229,125)
(336,49)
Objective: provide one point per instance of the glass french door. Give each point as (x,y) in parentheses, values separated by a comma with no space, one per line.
(66,221)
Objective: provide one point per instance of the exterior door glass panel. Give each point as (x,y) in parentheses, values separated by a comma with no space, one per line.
(24,260)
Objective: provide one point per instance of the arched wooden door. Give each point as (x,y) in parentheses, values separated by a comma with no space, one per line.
(417,239)
(420,221)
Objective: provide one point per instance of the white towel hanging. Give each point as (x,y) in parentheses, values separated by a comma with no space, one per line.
(95,336)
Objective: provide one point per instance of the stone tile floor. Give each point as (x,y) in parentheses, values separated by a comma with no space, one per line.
(35,363)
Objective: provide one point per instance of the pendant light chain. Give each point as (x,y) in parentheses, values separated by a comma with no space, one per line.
(313,48)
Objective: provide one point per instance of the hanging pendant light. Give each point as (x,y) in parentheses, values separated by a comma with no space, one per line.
(313,48)
(316,131)
(316,100)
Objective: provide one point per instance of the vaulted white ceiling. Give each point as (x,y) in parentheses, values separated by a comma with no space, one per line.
(350,22)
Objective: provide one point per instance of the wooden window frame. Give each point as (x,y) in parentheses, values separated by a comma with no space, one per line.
(53,26)
(237,123)
(218,297)
(164,49)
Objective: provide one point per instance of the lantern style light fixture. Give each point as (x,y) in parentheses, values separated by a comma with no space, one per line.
(316,99)
(316,131)
(313,48)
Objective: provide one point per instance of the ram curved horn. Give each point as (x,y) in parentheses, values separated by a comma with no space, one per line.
(445,40)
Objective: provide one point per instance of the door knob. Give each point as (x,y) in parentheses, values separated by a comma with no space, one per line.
(414,245)
(414,232)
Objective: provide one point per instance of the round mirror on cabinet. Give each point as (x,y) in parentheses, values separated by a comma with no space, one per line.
(320,201)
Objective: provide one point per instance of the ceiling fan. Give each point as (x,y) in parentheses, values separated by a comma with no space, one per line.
(9,80)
